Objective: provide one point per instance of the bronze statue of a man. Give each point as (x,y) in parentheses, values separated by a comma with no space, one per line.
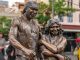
(24,33)
(53,42)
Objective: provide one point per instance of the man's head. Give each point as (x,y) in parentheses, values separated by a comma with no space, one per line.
(55,27)
(30,9)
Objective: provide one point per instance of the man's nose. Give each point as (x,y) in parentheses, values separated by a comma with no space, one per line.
(35,12)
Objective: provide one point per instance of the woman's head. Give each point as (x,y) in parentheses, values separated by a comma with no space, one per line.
(54,27)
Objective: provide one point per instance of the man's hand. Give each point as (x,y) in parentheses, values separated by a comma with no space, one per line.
(29,53)
(41,42)
(40,38)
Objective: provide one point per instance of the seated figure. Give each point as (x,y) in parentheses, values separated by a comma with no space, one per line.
(53,42)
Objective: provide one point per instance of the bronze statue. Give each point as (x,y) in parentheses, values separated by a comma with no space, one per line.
(53,42)
(24,33)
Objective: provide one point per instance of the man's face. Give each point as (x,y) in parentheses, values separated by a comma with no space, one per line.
(54,29)
(32,13)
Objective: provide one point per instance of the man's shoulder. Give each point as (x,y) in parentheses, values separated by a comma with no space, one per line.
(16,20)
(35,20)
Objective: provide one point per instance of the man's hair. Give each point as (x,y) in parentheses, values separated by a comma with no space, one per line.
(30,4)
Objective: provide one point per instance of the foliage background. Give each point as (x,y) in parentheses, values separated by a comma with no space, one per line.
(5,24)
(60,8)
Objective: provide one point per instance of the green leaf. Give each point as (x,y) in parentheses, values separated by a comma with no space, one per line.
(6,22)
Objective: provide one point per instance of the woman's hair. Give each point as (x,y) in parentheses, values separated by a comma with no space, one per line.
(51,23)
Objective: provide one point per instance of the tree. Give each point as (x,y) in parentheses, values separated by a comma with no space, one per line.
(60,9)
(42,18)
(42,7)
(4,25)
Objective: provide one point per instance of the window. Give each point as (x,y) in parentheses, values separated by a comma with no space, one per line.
(70,3)
(60,17)
(70,17)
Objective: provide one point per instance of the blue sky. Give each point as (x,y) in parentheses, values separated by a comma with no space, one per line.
(12,1)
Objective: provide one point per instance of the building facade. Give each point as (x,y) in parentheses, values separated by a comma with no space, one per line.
(5,10)
(71,23)
(3,5)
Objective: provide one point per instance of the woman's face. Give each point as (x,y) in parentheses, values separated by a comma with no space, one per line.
(54,29)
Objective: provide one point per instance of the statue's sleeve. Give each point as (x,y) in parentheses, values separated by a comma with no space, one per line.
(62,45)
(13,29)
(45,39)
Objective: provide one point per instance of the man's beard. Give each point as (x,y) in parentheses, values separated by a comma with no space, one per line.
(30,15)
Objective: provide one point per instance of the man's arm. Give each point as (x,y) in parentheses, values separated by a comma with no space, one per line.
(14,41)
(13,35)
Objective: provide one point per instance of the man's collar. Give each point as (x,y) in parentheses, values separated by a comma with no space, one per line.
(23,17)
